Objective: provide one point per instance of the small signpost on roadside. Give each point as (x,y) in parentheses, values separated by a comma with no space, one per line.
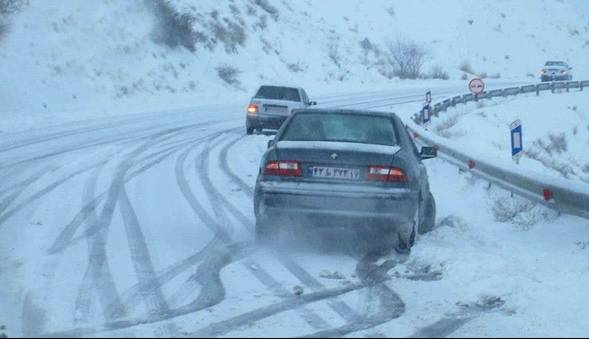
(477,87)
(517,145)
(427,109)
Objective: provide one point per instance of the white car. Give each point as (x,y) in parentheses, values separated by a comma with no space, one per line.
(556,71)
(272,105)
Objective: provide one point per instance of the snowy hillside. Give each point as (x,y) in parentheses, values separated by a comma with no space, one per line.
(556,131)
(72,60)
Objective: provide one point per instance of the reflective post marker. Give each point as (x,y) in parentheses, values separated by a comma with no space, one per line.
(517,145)
(426,115)
(426,111)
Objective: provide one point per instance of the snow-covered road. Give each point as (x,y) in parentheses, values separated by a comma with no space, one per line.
(143,226)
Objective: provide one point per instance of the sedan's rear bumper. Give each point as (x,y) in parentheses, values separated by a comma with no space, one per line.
(265,121)
(326,205)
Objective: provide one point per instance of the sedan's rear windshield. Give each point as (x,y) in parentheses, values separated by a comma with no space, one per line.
(278,93)
(353,128)
(555,63)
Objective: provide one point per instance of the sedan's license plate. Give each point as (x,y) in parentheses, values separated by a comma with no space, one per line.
(334,173)
(276,109)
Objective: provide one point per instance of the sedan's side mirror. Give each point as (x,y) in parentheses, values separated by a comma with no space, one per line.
(428,153)
(270,143)
(312,103)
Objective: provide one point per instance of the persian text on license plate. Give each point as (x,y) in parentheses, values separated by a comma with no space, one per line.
(334,173)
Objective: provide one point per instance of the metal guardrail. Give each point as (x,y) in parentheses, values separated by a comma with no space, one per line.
(561,194)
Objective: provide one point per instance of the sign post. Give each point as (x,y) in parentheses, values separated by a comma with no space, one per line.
(517,145)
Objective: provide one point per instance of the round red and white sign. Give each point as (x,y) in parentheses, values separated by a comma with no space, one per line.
(476,86)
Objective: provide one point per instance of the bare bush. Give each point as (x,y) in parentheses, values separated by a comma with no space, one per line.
(296,67)
(366,45)
(8,7)
(174,29)
(444,127)
(230,33)
(521,212)
(262,24)
(544,152)
(438,72)
(229,74)
(263,4)
(557,143)
(466,67)
(333,53)
(407,58)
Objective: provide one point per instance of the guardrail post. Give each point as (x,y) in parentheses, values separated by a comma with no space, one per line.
(568,87)
(581,86)
(553,87)
(537,90)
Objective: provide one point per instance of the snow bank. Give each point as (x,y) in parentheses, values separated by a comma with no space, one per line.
(555,131)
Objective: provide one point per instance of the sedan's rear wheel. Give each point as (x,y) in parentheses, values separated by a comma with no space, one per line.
(249,130)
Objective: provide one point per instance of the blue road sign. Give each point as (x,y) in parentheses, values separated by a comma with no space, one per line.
(517,145)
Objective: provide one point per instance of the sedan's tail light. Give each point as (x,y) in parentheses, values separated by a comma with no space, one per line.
(252,109)
(283,168)
(386,174)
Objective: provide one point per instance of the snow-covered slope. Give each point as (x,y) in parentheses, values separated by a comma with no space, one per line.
(556,131)
(78,59)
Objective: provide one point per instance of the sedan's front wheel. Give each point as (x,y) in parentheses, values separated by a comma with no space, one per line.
(429,221)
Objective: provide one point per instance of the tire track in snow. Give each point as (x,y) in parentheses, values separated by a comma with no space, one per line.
(197,305)
(46,190)
(391,306)
(293,302)
(226,326)
(66,237)
(454,321)
(152,294)
(219,236)
(20,187)
(211,273)
(98,276)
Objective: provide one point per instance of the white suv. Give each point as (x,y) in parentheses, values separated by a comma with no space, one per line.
(272,105)
(556,71)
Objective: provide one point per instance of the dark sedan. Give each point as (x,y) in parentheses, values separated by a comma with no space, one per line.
(344,168)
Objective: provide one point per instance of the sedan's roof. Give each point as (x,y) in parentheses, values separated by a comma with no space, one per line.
(281,86)
(343,111)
